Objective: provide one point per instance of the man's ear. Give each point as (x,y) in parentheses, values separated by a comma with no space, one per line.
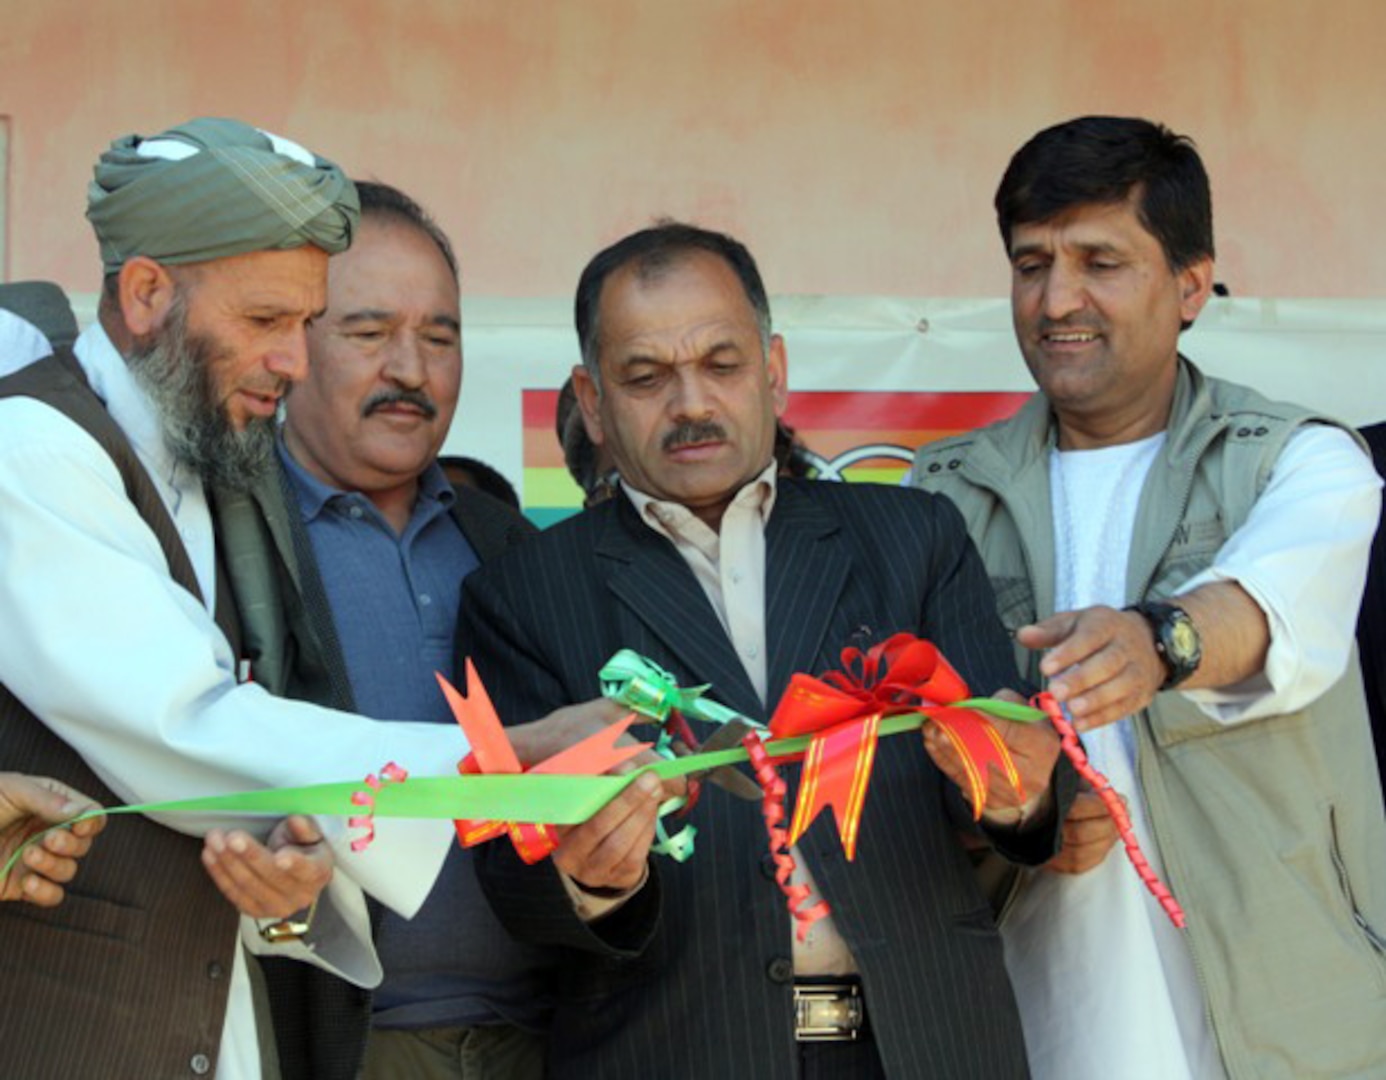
(777,370)
(1195,286)
(147,291)
(588,397)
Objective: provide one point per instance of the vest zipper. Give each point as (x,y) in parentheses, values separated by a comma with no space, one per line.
(1144,754)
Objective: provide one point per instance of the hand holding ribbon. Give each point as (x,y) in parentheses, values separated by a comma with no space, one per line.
(1033,747)
(842,711)
(643,686)
(492,753)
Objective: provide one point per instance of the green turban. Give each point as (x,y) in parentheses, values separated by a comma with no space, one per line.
(212,188)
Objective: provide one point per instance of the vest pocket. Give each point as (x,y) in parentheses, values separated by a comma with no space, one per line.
(1192,549)
(1374,939)
(1015,601)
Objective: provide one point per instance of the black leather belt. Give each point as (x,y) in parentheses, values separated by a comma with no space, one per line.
(828,1010)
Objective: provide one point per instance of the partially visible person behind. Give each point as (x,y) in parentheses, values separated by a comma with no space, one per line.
(473,472)
(1371,623)
(791,455)
(28,806)
(589,465)
(1181,560)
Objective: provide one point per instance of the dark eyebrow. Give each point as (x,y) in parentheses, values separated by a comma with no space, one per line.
(1100,249)
(638,358)
(1023,250)
(271,310)
(367,315)
(381,315)
(446,321)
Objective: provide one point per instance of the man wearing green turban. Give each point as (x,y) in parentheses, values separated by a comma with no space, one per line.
(120,669)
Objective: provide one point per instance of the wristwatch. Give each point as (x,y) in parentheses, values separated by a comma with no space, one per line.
(290,929)
(1176,639)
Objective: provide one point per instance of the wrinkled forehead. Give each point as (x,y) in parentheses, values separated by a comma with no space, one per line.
(695,295)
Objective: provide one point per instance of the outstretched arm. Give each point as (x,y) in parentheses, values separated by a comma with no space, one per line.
(1103,665)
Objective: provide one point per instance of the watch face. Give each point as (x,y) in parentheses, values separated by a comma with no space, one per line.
(1183,640)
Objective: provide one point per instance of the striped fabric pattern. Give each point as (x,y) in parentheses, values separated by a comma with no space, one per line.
(846,564)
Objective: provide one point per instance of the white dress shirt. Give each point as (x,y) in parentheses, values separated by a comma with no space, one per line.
(729,564)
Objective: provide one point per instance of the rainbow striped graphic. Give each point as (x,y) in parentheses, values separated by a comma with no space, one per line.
(861,436)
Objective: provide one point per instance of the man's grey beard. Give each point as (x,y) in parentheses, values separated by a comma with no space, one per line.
(175,369)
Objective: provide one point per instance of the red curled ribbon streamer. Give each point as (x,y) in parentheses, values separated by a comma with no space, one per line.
(842,712)
(366,821)
(772,807)
(1068,741)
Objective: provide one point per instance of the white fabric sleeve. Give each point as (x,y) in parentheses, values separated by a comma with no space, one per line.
(339,940)
(1302,556)
(130,670)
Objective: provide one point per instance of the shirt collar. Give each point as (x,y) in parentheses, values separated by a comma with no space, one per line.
(313,494)
(673,519)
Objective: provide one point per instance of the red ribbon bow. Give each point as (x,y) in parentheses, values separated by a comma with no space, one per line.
(492,753)
(842,710)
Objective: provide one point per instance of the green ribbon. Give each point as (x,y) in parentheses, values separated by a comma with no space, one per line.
(523,797)
(643,686)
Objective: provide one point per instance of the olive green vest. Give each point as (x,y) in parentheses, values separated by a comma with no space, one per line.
(1271,831)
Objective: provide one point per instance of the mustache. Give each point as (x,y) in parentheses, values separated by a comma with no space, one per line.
(693,431)
(275,388)
(417,398)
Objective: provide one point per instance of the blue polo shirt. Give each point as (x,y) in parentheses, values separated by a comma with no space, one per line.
(394,600)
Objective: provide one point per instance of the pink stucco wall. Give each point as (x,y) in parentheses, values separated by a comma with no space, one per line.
(854,146)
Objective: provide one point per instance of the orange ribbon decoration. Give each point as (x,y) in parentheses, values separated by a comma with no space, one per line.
(492,753)
(842,711)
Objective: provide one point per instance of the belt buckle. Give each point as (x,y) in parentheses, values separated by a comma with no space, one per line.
(830,1012)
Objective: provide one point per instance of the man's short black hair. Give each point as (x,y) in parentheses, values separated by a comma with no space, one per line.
(478,474)
(654,251)
(1107,159)
(382,200)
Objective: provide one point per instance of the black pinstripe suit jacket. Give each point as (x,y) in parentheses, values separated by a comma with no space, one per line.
(845,564)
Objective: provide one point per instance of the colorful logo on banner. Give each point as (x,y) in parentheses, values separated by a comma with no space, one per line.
(851,435)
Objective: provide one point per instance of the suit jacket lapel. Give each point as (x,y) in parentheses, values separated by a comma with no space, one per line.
(806,571)
(650,579)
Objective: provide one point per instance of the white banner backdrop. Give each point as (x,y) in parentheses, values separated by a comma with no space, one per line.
(1328,354)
